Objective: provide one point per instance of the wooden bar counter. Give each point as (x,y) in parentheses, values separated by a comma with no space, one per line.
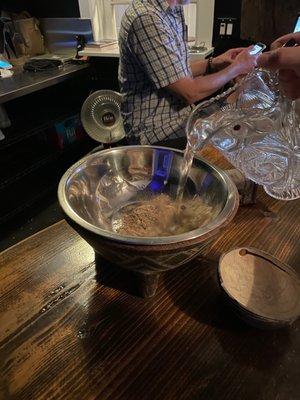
(71,328)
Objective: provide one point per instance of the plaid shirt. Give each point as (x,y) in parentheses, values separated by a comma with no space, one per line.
(153,54)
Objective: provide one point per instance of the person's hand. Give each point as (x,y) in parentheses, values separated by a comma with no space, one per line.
(245,62)
(283,39)
(225,59)
(287,61)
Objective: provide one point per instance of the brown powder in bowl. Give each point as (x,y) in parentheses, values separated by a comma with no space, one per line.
(161,216)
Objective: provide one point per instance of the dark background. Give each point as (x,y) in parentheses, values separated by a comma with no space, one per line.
(253,21)
(227,11)
(43,8)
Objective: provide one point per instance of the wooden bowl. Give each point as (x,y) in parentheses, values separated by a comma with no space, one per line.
(263,291)
(100,183)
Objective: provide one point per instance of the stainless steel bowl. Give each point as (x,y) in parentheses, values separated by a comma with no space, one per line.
(92,192)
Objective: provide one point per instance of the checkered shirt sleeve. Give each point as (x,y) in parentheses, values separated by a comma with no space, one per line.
(156,49)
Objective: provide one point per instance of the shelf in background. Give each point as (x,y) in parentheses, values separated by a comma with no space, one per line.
(16,134)
(23,83)
(113,51)
(27,156)
(42,179)
(37,111)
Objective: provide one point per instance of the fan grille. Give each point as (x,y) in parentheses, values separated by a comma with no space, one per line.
(101,116)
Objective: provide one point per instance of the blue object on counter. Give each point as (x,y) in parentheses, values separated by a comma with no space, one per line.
(5,64)
(161,169)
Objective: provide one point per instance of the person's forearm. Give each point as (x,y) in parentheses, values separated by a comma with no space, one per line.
(195,89)
(198,67)
(208,84)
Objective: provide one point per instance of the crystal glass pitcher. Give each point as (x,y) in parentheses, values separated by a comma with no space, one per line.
(258,131)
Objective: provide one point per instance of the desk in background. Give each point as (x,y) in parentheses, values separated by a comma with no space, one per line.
(114,52)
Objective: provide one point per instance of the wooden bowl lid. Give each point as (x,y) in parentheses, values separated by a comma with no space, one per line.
(260,286)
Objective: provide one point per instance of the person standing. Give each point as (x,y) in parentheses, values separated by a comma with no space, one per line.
(157,82)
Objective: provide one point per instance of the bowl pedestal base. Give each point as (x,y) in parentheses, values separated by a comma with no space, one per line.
(132,282)
(147,284)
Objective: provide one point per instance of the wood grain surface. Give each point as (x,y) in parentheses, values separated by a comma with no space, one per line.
(265,20)
(72,328)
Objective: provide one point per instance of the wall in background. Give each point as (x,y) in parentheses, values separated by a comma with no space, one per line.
(252,21)
(56,8)
(43,8)
(84,8)
(227,23)
(102,16)
(264,20)
(98,11)
(16,5)
(200,21)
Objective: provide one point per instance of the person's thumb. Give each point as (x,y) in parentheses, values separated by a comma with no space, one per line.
(282,58)
(269,59)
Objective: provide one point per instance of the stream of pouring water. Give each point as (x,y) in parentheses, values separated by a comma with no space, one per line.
(187,162)
(196,140)
(163,215)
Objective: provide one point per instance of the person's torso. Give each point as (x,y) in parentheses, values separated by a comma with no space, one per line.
(146,108)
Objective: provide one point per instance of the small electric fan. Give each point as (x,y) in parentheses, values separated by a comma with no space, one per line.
(101,117)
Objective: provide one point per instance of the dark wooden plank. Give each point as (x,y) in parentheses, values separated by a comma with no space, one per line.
(264,20)
(64,335)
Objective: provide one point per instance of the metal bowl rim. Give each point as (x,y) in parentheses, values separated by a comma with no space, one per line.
(229,207)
